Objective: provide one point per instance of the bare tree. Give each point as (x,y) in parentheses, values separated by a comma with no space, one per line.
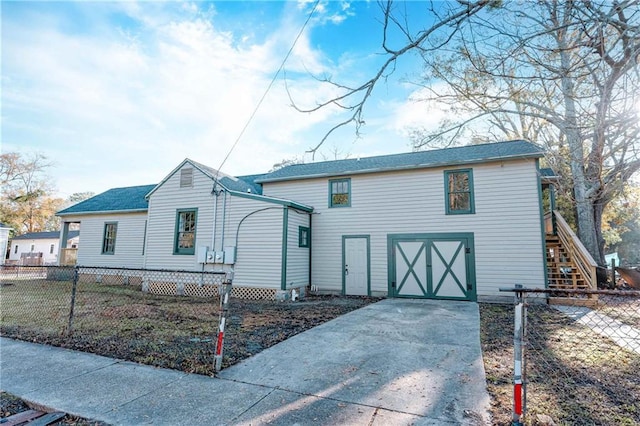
(448,18)
(562,73)
(26,202)
(78,197)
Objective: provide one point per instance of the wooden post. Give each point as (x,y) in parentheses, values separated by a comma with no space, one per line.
(73,301)
(613,273)
(224,310)
(519,384)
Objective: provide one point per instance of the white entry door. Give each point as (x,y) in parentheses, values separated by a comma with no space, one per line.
(355,272)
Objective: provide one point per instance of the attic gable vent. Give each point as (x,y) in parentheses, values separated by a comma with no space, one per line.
(186,178)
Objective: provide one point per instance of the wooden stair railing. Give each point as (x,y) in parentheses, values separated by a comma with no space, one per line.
(569,264)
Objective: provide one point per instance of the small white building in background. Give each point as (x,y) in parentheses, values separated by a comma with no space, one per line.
(612,257)
(4,240)
(39,248)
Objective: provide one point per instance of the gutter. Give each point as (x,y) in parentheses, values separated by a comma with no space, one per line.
(267,199)
(102,212)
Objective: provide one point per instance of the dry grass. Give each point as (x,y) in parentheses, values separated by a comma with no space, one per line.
(166,331)
(575,376)
(622,309)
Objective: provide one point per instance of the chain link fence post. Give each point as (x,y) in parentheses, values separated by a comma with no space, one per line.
(519,382)
(74,288)
(224,310)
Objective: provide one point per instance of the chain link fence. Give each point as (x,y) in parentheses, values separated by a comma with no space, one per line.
(134,314)
(577,357)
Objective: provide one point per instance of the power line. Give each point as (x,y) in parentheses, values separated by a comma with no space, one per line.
(255,110)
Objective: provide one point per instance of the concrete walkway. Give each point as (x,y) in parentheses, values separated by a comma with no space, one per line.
(622,334)
(394,362)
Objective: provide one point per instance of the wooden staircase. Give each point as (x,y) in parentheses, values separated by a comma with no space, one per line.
(569,265)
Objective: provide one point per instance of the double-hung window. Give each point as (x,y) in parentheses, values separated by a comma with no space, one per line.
(458,186)
(109,238)
(185,238)
(340,193)
(304,237)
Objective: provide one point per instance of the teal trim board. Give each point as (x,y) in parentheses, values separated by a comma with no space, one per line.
(285,242)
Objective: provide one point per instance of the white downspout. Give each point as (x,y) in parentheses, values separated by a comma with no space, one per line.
(224,218)
(215,217)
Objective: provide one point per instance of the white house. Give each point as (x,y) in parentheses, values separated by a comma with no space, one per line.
(119,216)
(39,248)
(4,240)
(455,223)
(210,214)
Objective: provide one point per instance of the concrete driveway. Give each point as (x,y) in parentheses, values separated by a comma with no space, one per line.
(398,361)
(395,362)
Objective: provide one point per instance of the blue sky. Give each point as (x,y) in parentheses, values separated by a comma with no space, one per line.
(119,93)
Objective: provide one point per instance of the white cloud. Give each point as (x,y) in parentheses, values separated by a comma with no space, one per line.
(125,109)
(123,103)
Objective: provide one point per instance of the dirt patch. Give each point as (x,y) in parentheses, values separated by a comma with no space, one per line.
(10,405)
(575,376)
(135,310)
(174,332)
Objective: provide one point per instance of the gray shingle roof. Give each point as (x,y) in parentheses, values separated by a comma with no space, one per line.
(412,160)
(547,172)
(45,235)
(114,200)
(240,185)
(230,182)
(251,180)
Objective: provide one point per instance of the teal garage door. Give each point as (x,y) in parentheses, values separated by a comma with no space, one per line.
(432,266)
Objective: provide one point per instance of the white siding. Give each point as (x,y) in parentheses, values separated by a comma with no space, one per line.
(258,249)
(297,257)
(4,238)
(259,243)
(129,238)
(161,227)
(506,223)
(39,246)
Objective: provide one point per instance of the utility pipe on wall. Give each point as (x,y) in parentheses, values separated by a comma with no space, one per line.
(216,194)
(224,218)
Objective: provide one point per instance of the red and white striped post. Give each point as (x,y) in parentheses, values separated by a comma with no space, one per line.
(224,310)
(519,383)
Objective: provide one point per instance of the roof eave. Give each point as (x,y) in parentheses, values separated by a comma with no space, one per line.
(102,212)
(280,201)
(400,168)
